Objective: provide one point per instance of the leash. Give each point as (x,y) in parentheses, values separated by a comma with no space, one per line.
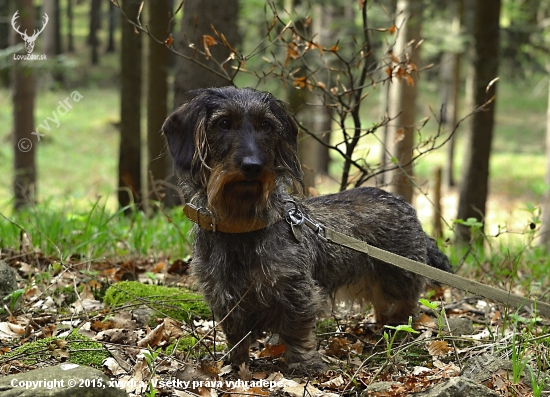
(296,219)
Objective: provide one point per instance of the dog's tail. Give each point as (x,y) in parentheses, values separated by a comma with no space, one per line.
(436,258)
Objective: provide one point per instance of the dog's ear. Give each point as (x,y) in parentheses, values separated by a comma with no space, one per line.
(180,129)
(288,150)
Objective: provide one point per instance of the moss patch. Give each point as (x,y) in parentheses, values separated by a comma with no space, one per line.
(176,303)
(81,350)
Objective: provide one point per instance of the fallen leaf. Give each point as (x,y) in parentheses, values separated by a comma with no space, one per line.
(338,347)
(10,331)
(439,348)
(272,350)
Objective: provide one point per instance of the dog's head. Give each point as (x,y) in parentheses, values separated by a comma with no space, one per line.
(235,145)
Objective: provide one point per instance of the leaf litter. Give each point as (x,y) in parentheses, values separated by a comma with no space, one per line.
(146,348)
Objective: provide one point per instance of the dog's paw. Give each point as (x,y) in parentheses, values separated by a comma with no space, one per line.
(313,366)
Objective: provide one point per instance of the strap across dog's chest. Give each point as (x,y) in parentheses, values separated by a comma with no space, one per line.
(296,219)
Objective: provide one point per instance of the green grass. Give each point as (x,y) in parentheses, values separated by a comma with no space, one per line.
(97,232)
(76,161)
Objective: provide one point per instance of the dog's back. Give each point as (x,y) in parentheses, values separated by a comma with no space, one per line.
(384,221)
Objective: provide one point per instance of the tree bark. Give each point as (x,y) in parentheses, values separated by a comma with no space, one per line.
(475,177)
(70,37)
(52,35)
(198,16)
(157,91)
(129,168)
(450,76)
(112,26)
(24,181)
(545,216)
(402,101)
(95,24)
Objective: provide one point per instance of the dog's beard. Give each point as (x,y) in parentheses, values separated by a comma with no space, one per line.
(232,198)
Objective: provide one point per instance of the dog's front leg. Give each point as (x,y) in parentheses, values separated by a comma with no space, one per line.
(297,329)
(240,343)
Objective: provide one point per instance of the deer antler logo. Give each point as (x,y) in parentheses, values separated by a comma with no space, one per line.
(29,40)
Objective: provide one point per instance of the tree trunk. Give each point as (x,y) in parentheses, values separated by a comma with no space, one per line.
(322,118)
(157,91)
(5,31)
(402,102)
(24,181)
(95,24)
(5,27)
(52,35)
(198,15)
(545,218)
(112,26)
(475,176)
(70,37)
(129,168)
(450,67)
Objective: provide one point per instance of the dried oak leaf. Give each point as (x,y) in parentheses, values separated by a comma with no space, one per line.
(161,334)
(208,41)
(338,347)
(439,348)
(291,53)
(272,350)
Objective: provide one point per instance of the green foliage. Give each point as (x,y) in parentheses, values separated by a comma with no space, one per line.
(390,340)
(439,315)
(97,232)
(327,325)
(173,302)
(150,358)
(11,300)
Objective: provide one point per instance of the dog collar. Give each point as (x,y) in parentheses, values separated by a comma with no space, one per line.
(208,222)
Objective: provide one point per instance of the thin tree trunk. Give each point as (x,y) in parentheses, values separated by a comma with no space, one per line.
(95,24)
(129,168)
(322,119)
(157,91)
(112,26)
(402,103)
(24,182)
(475,177)
(545,221)
(52,35)
(451,111)
(70,37)
(437,210)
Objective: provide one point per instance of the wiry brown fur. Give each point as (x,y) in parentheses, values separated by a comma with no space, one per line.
(236,152)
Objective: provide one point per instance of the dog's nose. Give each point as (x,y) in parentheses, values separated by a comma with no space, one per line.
(251,167)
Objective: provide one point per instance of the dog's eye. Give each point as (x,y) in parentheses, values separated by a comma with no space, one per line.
(224,124)
(266,126)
